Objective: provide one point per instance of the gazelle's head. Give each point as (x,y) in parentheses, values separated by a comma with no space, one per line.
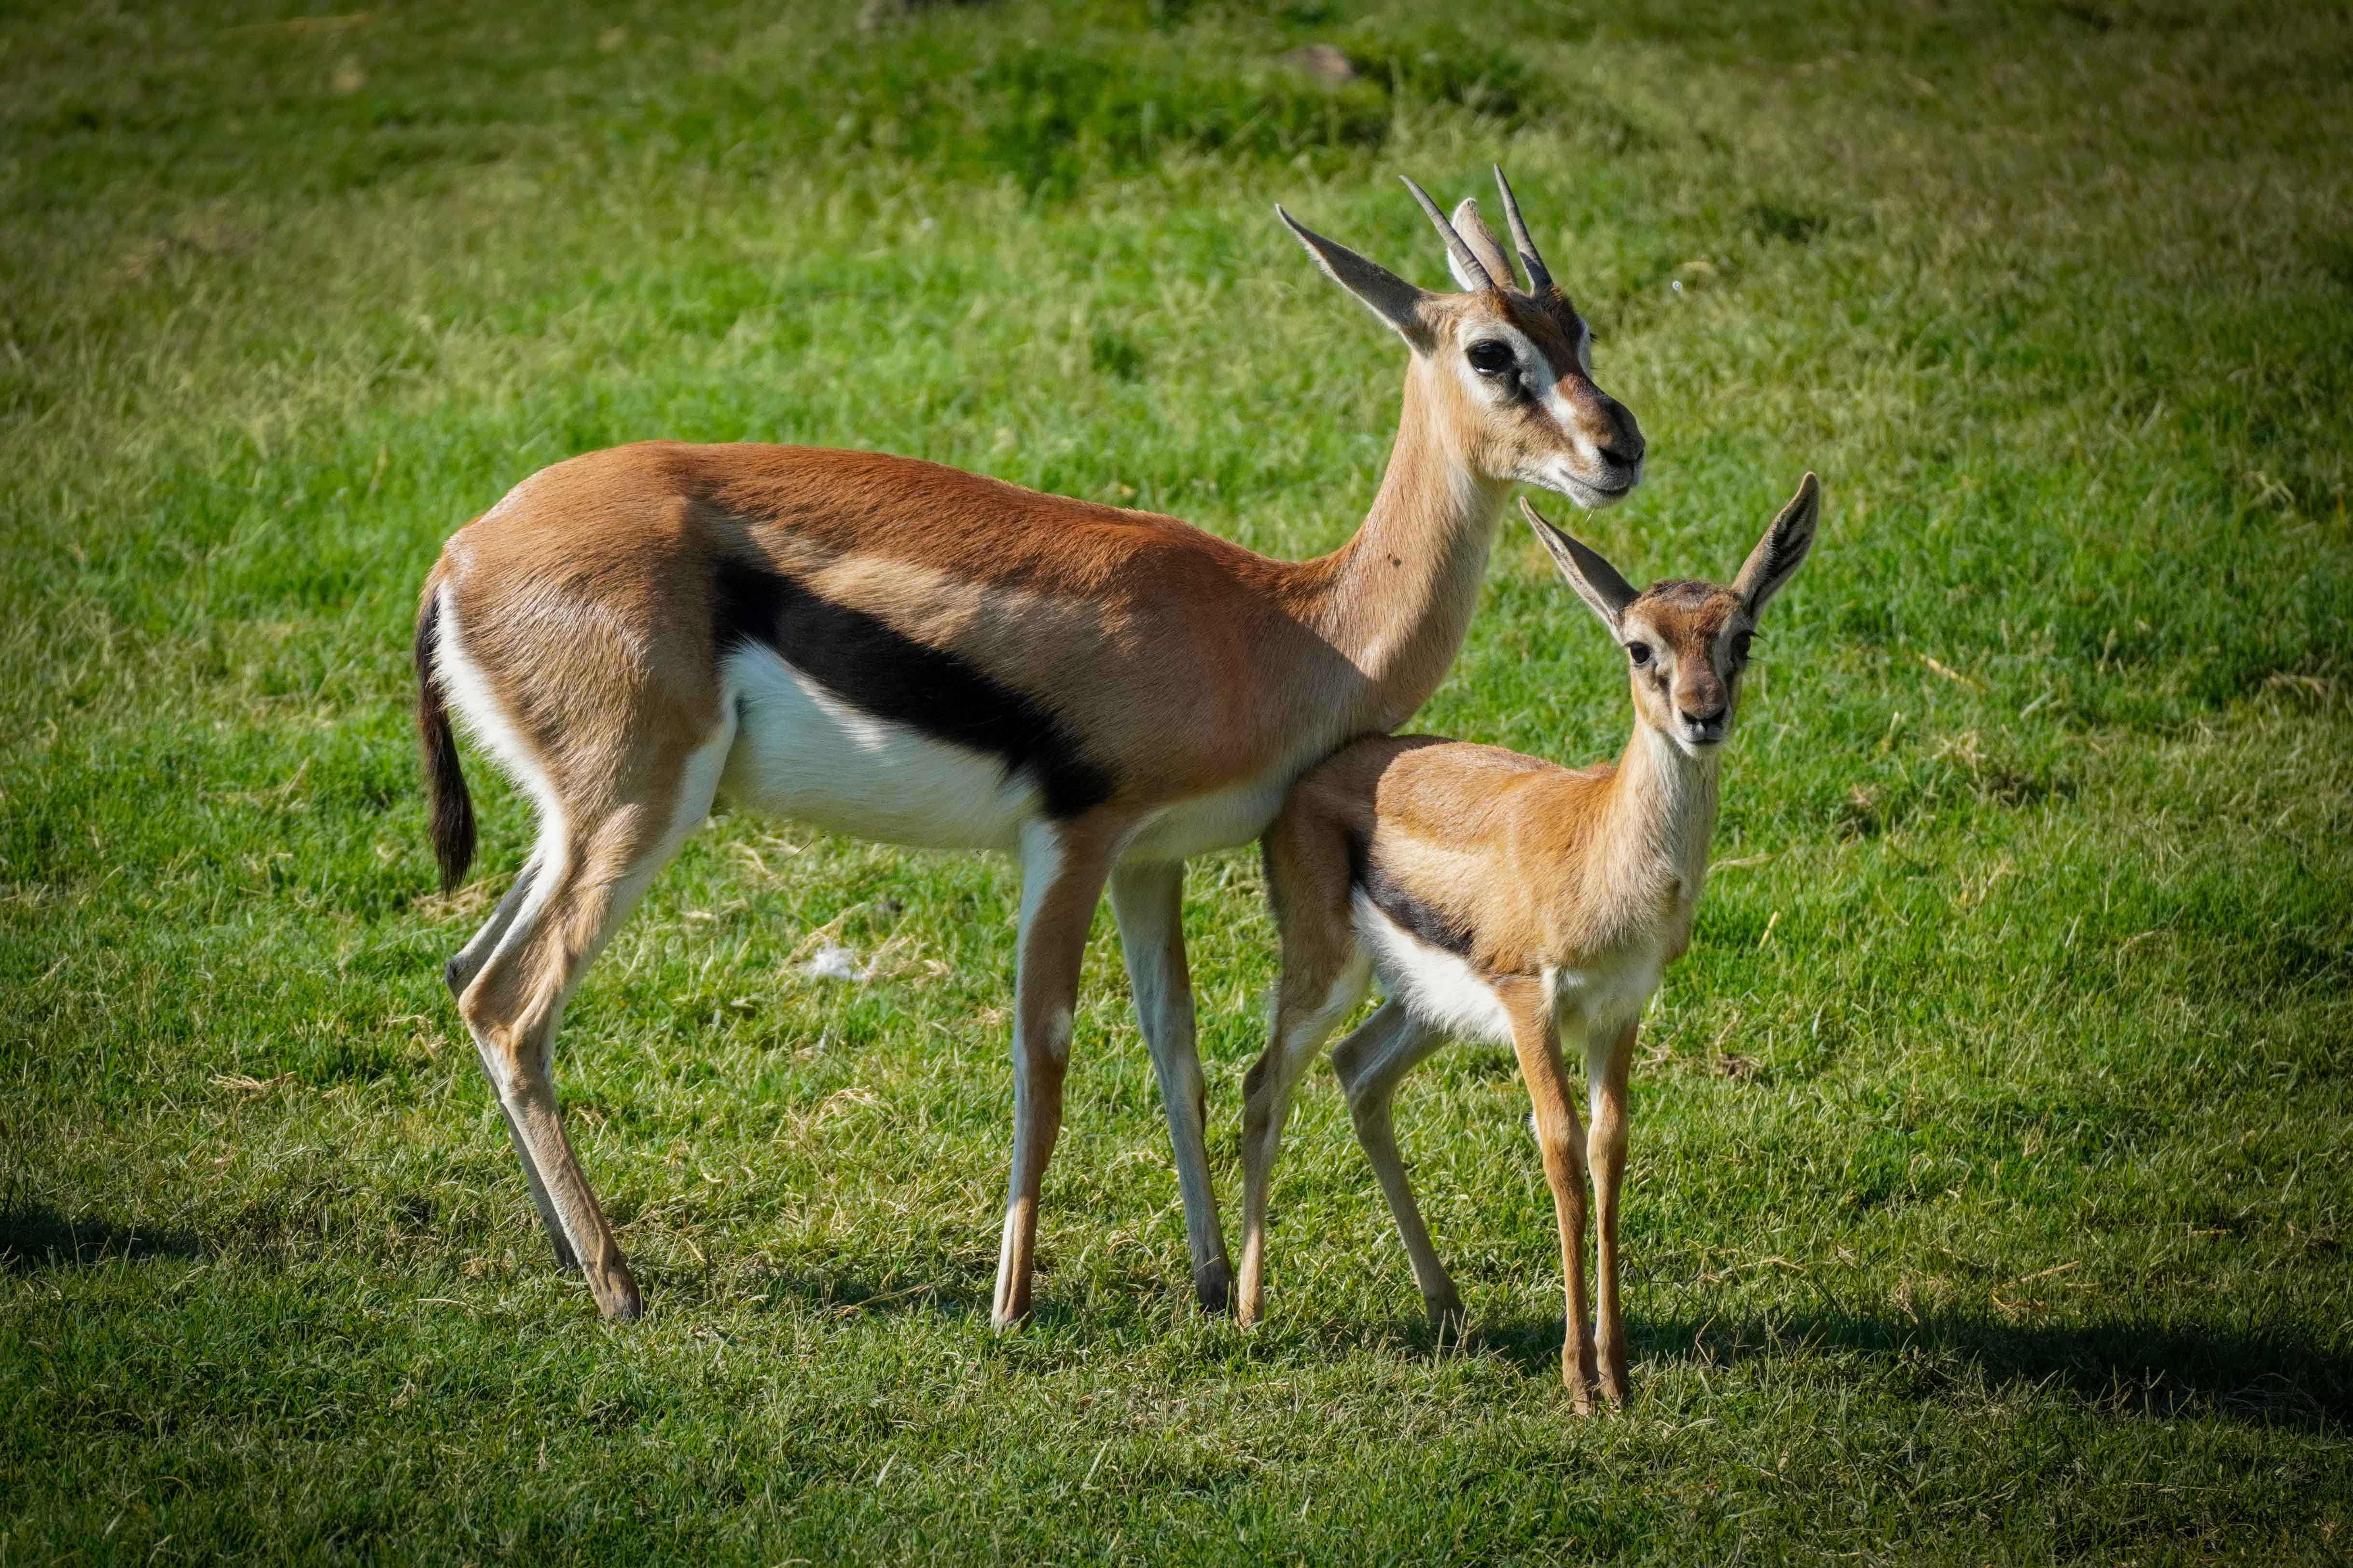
(1506,372)
(1687,643)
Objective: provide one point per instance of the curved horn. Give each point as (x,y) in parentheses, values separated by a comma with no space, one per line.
(1539,280)
(1476,234)
(1464,256)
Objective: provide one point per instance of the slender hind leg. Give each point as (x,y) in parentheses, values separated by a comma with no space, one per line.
(591,872)
(1149,902)
(1312,996)
(1324,977)
(460,970)
(460,973)
(1371,1063)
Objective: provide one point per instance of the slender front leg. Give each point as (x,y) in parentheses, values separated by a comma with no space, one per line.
(1062,871)
(1311,999)
(1536,1042)
(1371,1063)
(1149,901)
(1606,1072)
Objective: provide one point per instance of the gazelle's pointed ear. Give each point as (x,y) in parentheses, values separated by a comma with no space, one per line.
(1482,241)
(1596,580)
(1783,548)
(1386,294)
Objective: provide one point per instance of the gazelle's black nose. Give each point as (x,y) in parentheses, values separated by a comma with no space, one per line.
(1626,451)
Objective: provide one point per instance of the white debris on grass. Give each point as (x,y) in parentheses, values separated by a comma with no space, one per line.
(835,962)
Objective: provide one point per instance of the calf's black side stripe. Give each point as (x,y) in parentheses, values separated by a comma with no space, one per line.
(1430,924)
(881,670)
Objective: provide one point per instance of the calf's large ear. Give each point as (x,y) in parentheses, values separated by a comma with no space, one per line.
(1596,580)
(1782,550)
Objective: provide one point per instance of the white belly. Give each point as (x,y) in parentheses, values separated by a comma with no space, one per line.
(1440,988)
(1595,1004)
(802,752)
(1433,984)
(1220,821)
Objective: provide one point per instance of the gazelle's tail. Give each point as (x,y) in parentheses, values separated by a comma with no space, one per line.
(453,807)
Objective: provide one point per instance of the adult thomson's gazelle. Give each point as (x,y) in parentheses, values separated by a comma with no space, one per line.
(1506,898)
(909,653)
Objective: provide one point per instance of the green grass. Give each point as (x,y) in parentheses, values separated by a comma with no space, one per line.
(1993,1147)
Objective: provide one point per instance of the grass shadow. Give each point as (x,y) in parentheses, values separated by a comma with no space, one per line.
(2121,1366)
(839,1296)
(36,1235)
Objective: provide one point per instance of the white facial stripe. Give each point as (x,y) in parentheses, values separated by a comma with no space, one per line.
(1534,372)
(1635,630)
(1538,379)
(1579,472)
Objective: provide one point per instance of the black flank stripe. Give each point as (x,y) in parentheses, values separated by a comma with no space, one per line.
(1430,924)
(882,671)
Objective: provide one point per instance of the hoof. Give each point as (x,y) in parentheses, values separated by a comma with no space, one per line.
(1213,1286)
(1581,1379)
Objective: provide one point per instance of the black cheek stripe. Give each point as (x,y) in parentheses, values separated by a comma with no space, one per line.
(877,669)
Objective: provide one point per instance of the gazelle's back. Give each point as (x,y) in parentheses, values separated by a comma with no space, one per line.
(1476,849)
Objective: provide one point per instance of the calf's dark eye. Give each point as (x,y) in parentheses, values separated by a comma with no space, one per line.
(1489,357)
(1639,652)
(1740,648)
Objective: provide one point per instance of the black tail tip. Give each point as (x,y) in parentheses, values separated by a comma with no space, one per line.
(453,840)
(444,781)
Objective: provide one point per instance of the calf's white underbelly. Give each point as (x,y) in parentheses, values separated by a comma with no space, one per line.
(1433,984)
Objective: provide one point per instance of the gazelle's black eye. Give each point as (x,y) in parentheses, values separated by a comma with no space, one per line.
(1639,652)
(1740,648)
(1490,356)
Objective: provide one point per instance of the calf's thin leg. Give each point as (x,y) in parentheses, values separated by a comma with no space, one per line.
(1607,1061)
(1371,1062)
(1536,1042)
(1314,994)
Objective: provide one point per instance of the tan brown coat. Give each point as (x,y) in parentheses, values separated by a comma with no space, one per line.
(1501,897)
(891,648)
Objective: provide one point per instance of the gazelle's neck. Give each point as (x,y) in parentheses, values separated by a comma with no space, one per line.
(1397,600)
(1661,812)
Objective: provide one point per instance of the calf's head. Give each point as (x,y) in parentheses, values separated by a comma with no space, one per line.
(1687,642)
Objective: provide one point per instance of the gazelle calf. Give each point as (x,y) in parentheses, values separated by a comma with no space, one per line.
(908,653)
(1506,899)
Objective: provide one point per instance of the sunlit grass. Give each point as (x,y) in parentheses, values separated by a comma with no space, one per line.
(1990,1166)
